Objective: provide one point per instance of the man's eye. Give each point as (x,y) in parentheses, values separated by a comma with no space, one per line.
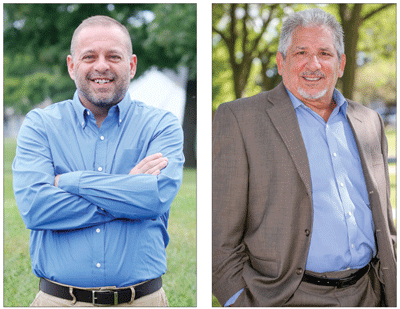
(88,57)
(115,57)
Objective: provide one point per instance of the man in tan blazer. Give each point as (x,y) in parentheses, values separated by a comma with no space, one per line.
(301,209)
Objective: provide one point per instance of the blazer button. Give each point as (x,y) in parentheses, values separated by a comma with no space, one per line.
(299,271)
(307,232)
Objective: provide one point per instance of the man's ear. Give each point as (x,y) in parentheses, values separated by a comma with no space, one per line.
(342,64)
(70,65)
(133,65)
(279,62)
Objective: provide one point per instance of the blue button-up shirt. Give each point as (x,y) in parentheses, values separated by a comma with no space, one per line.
(100,226)
(343,230)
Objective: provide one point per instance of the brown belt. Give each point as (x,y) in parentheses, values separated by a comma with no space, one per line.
(100,297)
(339,283)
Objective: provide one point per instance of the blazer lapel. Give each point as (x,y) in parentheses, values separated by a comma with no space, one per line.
(283,117)
(360,130)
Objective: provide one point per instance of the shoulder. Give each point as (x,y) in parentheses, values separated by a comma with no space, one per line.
(53,111)
(153,119)
(244,104)
(256,103)
(145,111)
(52,115)
(362,112)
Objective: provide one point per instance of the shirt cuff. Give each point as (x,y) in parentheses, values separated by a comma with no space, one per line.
(69,182)
(233,298)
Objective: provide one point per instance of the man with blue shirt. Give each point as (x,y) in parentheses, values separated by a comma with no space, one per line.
(301,209)
(94,179)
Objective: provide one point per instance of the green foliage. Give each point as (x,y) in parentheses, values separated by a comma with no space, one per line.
(20,285)
(37,40)
(171,40)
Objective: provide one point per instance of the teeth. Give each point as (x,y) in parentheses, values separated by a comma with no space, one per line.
(312,79)
(101,81)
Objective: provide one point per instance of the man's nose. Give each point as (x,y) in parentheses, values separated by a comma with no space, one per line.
(101,65)
(313,63)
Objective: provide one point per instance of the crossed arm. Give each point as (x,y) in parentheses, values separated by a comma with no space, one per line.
(81,198)
(151,165)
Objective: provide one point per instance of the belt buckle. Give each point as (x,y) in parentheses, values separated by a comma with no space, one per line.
(344,283)
(94,298)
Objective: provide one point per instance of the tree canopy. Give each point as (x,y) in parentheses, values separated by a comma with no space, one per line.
(37,40)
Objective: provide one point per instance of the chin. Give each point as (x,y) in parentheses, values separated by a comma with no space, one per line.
(312,96)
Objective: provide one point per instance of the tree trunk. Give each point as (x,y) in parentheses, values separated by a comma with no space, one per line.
(189,124)
(351,21)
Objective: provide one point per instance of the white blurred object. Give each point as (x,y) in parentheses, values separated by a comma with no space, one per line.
(163,89)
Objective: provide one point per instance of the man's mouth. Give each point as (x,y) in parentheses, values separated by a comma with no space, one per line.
(313,76)
(312,79)
(101,81)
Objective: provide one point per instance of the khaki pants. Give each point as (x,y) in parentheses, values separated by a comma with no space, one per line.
(156,299)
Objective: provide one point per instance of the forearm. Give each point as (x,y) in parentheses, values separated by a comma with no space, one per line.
(43,206)
(126,196)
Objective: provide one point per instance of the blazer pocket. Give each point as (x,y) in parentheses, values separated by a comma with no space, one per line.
(266,267)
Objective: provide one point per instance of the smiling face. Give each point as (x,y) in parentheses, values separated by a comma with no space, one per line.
(101,66)
(312,66)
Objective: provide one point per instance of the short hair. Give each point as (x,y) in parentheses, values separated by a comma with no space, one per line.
(312,17)
(99,20)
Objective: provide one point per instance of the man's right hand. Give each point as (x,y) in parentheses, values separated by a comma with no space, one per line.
(150,165)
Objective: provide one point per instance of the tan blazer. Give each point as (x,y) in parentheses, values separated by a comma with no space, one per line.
(262,202)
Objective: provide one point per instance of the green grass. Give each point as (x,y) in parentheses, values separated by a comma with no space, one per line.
(20,285)
(391,137)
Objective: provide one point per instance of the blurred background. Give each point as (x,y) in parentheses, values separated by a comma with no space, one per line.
(245,41)
(37,39)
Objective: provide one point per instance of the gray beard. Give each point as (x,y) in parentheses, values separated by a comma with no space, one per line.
(308,96)
(104,101)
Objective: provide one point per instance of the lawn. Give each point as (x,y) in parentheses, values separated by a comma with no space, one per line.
(20,285)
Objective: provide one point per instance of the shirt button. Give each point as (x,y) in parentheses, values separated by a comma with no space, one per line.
(334,154)
(100,169)
(98,265)
(88,113)
(307,232)
(349,213)
(299,271)
(102,138)
(352,246)
(97,230)
(342,184)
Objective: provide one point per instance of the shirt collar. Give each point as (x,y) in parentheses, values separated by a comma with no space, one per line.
(81,111)
(337,96)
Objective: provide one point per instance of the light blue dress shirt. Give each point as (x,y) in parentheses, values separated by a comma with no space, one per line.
(343,231)
(100,226)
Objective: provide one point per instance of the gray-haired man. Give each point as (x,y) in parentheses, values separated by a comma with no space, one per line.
(301,209)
